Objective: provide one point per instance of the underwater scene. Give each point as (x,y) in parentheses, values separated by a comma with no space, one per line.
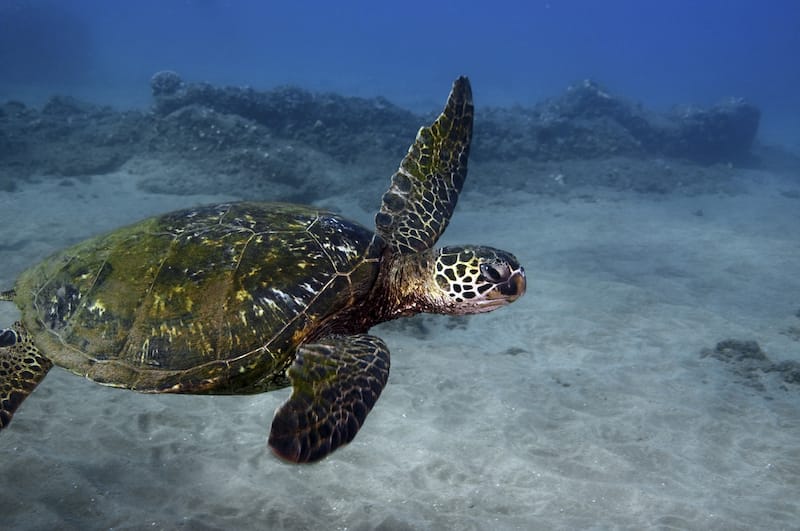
(399,266)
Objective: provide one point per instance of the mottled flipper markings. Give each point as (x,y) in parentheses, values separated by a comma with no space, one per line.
(424,191)
(335,382)
(22,367)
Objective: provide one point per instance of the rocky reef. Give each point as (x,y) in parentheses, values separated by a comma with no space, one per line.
(588,122)
(291,144)
(585,122)
(752,366)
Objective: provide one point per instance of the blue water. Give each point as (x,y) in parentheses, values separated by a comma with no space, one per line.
(585,405)
(659,53)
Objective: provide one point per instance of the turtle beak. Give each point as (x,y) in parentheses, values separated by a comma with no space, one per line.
(505,292)
(514,287)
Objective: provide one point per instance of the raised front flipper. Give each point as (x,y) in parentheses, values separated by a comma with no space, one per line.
(22,367)
(417,207)
(335,383)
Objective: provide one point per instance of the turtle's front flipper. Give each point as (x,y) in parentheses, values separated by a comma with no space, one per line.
(22,367)
(335,383)
(417,207)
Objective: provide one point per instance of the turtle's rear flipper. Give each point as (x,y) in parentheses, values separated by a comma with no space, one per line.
(22,367)
(335,383)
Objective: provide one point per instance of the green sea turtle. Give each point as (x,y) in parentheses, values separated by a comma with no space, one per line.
(249,297)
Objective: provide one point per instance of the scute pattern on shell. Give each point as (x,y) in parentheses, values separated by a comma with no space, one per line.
(213,299)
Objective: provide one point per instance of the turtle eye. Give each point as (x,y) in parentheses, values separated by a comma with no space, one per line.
(495,272)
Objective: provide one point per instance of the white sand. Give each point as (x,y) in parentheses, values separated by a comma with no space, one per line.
(585,404)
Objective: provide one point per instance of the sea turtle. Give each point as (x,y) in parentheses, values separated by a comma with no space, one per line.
(248,297)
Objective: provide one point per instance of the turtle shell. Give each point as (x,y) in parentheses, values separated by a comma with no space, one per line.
(213,299)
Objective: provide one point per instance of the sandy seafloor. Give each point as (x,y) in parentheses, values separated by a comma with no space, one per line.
(584,405)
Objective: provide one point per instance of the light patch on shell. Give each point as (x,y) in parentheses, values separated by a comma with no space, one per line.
(348,250)
(306,286)
(269,302)
(281,295)
(169,331)
(159,304)
(97,307)
(196,328)
(286,299)
(144,350)
(243,295)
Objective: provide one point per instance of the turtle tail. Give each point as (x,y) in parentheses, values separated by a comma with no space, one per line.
(22,367)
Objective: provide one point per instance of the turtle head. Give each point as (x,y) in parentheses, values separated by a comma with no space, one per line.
(474,279)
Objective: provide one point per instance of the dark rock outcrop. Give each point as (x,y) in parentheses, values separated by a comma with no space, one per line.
(750,363)
(342,127)
(288,142)
(588,122)
(723,133)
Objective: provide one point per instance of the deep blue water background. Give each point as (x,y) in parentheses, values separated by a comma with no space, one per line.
(515,51)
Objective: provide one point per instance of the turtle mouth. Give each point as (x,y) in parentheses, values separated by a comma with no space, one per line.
(513,288)
(505,292)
